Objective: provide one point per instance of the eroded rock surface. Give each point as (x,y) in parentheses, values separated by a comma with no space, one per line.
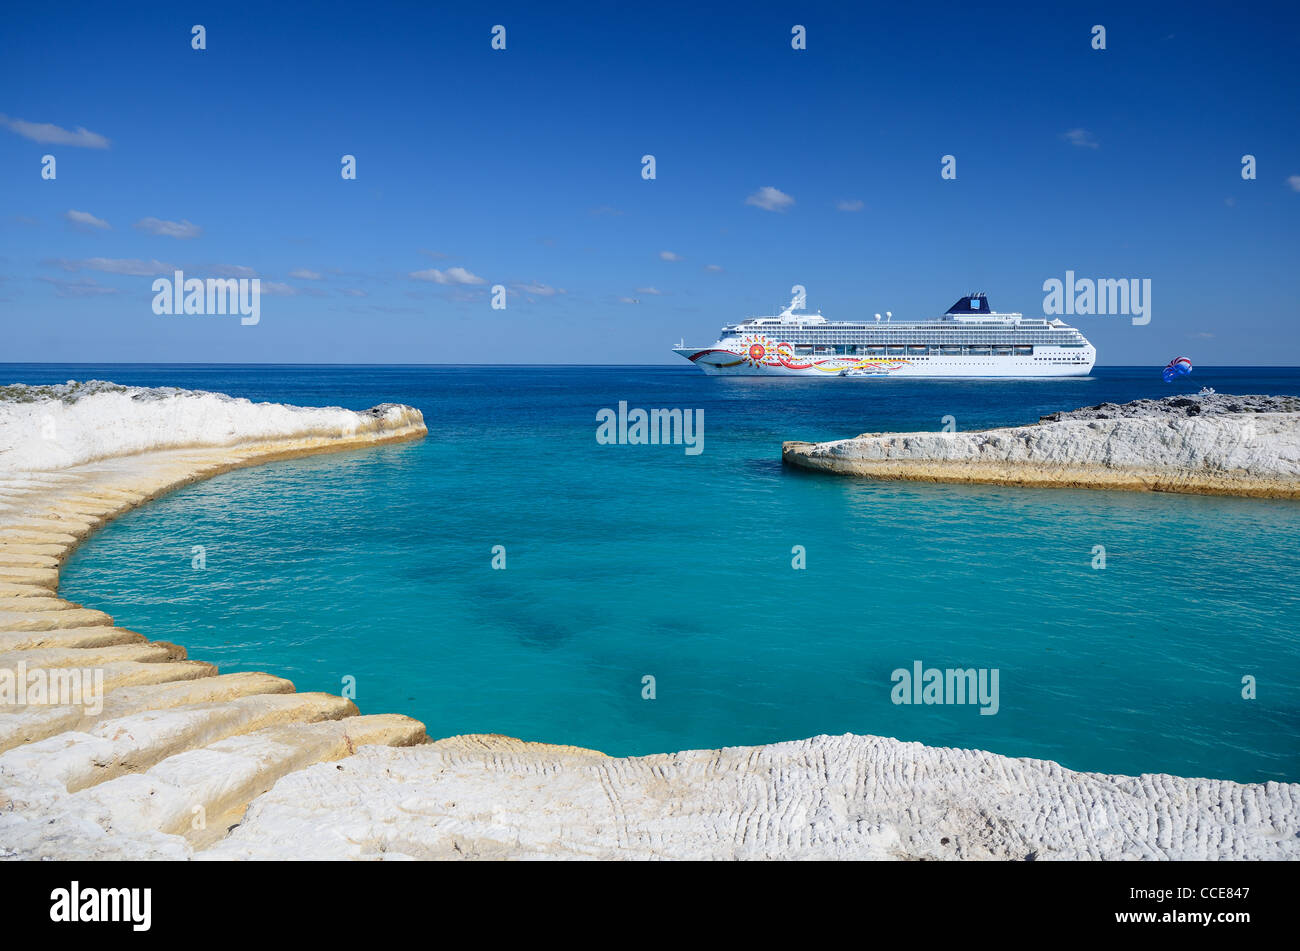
(157,754)
(1220,445)
(1196,404)
(829,797)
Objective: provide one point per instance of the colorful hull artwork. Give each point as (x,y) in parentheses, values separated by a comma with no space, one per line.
(762,354)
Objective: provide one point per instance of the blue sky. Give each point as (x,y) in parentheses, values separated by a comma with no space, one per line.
(523,168)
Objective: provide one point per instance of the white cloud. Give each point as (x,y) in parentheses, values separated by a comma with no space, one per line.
(436,255)
(650,291)
(1294,182)
(84,219)
(453,275)
(305,275)
(169,229)
(669,256)
(54,135)
(1080,137)
(133,267)
(233,270)
(277,289)
(850,204)
(715,268)
(353,292)
(541,290)
(628,300)
(83,288)
(770,199)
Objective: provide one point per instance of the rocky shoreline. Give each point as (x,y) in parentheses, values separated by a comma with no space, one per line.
(179,761)
(1209,444)
(1199,404)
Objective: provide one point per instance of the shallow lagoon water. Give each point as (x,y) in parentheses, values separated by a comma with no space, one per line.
(628,561)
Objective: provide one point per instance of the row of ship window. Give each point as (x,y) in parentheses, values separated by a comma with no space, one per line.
(915,350)
(983,340)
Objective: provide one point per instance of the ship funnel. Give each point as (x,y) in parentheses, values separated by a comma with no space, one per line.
(971,304)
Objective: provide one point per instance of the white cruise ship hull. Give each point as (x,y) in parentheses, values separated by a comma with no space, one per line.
(970,339)
(781,361)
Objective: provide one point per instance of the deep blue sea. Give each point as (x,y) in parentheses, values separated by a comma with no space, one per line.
(627,561)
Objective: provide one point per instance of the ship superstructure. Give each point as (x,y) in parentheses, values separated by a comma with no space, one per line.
(969,339)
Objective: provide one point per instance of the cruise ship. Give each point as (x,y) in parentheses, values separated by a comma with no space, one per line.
(969,339)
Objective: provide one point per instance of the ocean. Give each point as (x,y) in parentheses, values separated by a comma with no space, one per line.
(649,600)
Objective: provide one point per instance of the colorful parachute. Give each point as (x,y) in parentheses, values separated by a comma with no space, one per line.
(1179,366)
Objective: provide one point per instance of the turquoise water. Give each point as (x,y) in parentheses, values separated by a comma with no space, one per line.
(626,561)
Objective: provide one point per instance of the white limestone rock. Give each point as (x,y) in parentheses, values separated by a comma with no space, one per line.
(829,797)
(1246,453)
(49,428)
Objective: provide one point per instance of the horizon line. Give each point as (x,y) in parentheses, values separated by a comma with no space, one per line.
(590,366)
